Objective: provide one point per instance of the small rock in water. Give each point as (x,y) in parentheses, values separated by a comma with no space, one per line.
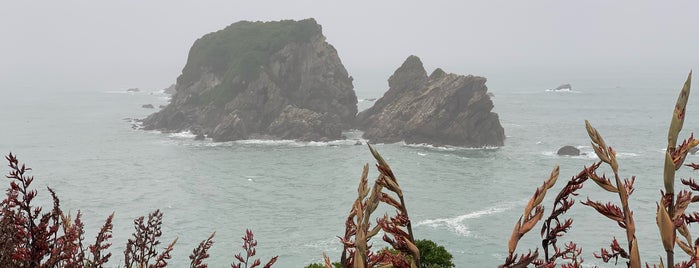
(564,87)
(135,89)
(199,137)
(358,143)
(568,150)
(147,106)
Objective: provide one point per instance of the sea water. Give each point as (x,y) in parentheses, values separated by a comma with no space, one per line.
(295,196)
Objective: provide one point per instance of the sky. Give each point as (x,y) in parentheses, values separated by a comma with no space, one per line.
(114,45)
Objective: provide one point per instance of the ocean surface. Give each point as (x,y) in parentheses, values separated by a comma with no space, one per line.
(295,196)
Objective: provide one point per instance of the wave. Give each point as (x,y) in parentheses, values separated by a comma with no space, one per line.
(456,224)
(183,135)
(446,147)
(589,154)
(295,143)
(187,138)
(563,91)
(120,92)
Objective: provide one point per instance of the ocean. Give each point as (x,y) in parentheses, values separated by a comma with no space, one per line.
(295,196)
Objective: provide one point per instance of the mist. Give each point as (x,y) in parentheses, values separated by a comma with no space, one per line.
(88,45)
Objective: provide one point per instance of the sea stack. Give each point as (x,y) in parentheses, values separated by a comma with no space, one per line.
(439,109)
(277,80)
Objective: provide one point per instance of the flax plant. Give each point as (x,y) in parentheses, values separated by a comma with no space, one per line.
(622,216)
(398,230)
(670,216)
(554,227)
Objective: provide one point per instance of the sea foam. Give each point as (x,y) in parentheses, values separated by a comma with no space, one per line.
(457,225)
(446,147)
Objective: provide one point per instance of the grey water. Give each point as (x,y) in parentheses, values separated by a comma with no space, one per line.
(295,196)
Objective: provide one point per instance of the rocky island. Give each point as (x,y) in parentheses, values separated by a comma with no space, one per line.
(439,109)
(275,80)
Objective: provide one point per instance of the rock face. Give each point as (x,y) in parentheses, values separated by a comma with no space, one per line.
(278,80)
(170,90)
(440,109)
(568,150)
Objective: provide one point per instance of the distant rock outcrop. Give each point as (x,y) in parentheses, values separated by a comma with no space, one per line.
(439,109)
(568,150)
(278,80)
(565,87)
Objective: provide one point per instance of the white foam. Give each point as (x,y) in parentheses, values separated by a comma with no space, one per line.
(119,92)
(446,147)
(457,225)
(183,135)
(266,142)
(294,143)
(563,90)
(187,138)
(625,155)
(589,154)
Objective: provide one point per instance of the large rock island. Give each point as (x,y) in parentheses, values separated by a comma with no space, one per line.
(440,109)
(276,80)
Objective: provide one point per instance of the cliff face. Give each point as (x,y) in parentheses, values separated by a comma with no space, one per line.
(277,80)
(440,109)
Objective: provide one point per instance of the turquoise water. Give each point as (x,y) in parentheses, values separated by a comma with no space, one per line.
(295,195)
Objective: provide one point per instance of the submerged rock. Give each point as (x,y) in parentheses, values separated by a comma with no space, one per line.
(440,109)
(148,106)
(568,150)
(274,79)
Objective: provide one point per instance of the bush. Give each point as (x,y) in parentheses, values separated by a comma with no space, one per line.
(433,255)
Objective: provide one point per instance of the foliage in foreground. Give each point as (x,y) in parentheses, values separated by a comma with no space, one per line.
(670,216)
(431,256)
(30,238)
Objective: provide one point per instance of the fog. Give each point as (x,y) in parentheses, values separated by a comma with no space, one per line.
(99,45)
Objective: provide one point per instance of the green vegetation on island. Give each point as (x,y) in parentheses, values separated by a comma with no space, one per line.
(237,53)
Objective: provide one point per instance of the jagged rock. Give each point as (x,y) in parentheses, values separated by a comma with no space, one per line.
(568,150)
(148,106)
(256,79)
(442,109)
(295,123)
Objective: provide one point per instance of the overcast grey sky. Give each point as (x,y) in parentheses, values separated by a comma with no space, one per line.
(114,45)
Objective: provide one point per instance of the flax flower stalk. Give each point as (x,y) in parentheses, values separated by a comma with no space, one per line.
(624,216)
(674,157)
